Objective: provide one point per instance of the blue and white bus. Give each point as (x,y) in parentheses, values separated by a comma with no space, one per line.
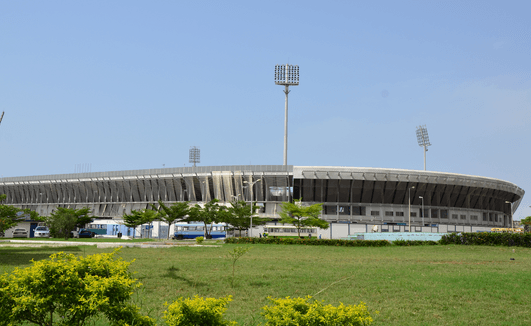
(194,230)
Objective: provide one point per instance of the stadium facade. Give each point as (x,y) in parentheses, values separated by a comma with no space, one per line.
(354,199)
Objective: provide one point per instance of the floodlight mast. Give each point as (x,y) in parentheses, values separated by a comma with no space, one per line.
(423,140)
(195,155)
(286,75)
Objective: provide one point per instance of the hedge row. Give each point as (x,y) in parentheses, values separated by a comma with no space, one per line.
(488,239)
(310,242)
(480,239)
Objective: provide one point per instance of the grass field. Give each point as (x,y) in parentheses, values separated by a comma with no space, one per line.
(425,285)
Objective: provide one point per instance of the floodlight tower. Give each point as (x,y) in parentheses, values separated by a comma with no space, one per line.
(286,75)
(423,140)
(195,155)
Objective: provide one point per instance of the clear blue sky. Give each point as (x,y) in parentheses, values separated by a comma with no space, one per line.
(119,85)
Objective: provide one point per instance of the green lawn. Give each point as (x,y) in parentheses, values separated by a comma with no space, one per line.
(426,285)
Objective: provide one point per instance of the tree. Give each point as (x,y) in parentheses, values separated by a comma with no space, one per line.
(301,216)
(177,211)
(526,222)
(136,218)
(132,220)
(10,216)
(62,221)
(210,213)
(240,213)
(67,289)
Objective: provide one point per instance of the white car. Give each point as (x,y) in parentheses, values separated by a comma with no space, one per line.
(20,233)
(42,232)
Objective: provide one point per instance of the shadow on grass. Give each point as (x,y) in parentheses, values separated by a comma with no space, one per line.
(172,273)
(23,256)
(259,284)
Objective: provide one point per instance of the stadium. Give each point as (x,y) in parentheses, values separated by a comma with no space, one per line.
(354,199)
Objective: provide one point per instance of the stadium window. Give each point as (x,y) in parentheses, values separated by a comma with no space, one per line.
(495,217)
(344,210)
(491,217)
(463,217)
(329,209)
(474,217)
(485,217)
(375,213)
(413,214)
(434,213)
(454,216)
(358,210)
(444,213)
(399,213)
(277,191)
(389,214)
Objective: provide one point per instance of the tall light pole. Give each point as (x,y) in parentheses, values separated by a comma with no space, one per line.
(423,140)
(422,210)
(286,75)
(195,155)
(409,205)
(250,184)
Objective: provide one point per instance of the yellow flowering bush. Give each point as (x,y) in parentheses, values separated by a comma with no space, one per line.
(198,311)
(308,312)
(70,290)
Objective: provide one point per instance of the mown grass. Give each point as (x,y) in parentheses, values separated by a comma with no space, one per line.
(425,285)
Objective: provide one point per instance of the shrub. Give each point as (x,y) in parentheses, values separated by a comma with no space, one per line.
(70,290)
(488,238)
(199,240)
(234,255)
(198,311)
(415,243)
(310,242)
(308,312)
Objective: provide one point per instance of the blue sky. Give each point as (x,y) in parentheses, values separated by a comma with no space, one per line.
(119,85)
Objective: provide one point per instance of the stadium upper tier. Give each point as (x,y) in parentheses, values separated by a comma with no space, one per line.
(348,194)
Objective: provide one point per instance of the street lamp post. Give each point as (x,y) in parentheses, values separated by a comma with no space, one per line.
(286,75)
(422,210)
(409,205)
(511,215)
(250,185)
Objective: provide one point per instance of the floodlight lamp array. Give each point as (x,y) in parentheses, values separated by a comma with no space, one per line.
(195,155)
(287,75)
(422,136)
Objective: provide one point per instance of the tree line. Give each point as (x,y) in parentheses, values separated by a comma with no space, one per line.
(238,215)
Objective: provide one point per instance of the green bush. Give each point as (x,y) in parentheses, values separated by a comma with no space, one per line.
(70,290)
(198,311)
(488,239)
(310,242)
(199,240)
(415,243)
(309,312)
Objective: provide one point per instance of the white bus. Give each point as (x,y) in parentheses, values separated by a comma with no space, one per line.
(289,231)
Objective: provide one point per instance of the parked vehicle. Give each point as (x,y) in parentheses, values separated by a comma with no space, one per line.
(289,231)
(20,233)
(42,232)
(84,233)
(194,230)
